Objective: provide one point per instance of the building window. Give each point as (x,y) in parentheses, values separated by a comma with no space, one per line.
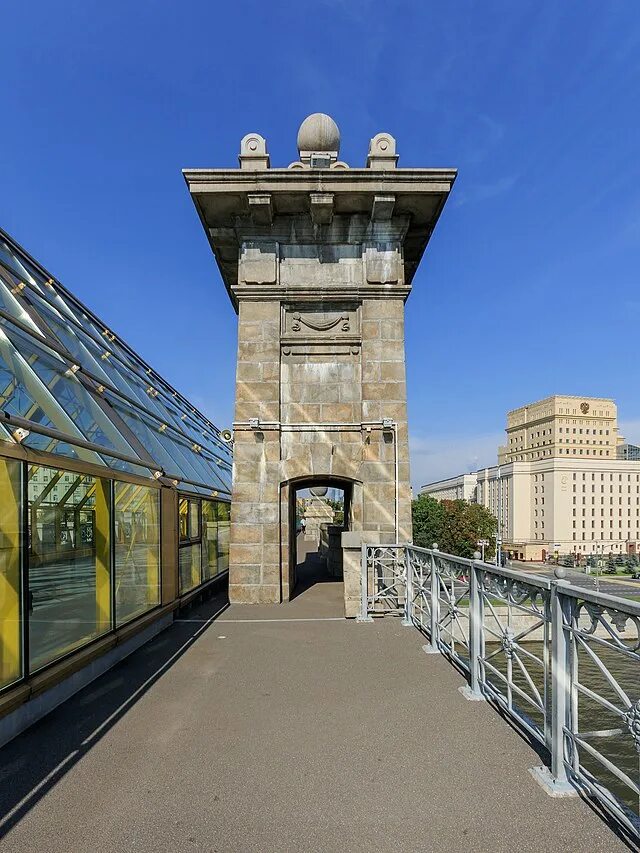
(137,550)
(215,538)
(204,547)
(69,540)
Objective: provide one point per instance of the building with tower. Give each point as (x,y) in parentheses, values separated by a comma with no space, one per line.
(563,483)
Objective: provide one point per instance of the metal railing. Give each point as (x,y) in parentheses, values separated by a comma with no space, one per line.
(562,661)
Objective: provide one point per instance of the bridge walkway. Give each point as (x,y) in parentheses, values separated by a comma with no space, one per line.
(281,729)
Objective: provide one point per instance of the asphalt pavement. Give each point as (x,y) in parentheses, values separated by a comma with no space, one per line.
(282,728)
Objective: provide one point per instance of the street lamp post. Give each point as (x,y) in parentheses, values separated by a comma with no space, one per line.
(482,543)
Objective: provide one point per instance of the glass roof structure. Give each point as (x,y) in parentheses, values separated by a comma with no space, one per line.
(70,386)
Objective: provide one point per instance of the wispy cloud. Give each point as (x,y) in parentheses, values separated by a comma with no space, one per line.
(631,431)
(441,455)
(434,457)
(474,193)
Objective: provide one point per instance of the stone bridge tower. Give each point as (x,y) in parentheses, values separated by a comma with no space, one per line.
(318,260)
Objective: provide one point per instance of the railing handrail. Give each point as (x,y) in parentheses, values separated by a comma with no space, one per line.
(605,599)
(472,621)
(503,571)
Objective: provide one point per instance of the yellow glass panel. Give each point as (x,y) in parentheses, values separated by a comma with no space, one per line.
(209,540)
(137,511)
(10,593)
(69,562)
(183,518)
(102,556)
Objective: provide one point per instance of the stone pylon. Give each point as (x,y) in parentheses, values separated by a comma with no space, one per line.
(318,259)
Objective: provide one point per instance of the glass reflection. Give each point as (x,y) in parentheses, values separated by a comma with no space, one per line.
(224,523)
(137,550)
(69,557)
(190,564)
(209,540)
(183,518)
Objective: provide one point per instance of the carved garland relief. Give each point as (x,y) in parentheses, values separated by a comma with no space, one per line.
(299,321)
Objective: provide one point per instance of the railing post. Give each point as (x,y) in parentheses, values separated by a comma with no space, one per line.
(364,587)
(408,588)
(432,646)
(555,780)
(474,691)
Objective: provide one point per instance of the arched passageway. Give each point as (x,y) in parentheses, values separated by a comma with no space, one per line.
(320,509)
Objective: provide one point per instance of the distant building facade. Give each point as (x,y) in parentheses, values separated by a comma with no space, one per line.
(453,489)
(562,484)
(629,451)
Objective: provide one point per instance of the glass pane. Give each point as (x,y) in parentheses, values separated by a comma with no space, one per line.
(194,519)
(190,560)
(209,540)
(78,405)
(10,588)
(183,518)
(69,559)
(224,516)
(137,532)
(22,394)
(10,304)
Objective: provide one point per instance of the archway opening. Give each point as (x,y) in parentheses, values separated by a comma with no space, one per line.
(319,512)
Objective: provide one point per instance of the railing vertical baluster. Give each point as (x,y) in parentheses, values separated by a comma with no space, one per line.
(432,647)
(560,679)
(474,691)
(364,587)
(556,780)
(408,587)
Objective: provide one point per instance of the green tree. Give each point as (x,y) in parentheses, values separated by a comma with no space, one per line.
(455,525)
(428,515)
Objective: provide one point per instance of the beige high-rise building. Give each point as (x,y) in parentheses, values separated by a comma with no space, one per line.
(559,485)
(562,426)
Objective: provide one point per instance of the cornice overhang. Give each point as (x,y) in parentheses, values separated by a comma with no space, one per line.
(225,202)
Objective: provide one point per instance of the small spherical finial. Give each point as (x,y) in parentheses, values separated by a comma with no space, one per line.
(477,555)
(560,572)
(319,132)
(319,491)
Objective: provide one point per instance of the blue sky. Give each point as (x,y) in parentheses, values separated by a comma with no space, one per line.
(530,285)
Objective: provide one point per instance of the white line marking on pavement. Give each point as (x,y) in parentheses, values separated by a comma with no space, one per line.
(253,621)
(293,619)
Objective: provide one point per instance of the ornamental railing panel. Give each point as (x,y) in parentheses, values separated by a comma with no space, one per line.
(453,579)
(384,587)
(561,661)
(601,641)
(515,651)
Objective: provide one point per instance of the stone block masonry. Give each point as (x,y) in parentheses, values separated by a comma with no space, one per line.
(318,261)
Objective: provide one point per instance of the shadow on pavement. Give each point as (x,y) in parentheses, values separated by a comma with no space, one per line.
(311,571)
(32,763)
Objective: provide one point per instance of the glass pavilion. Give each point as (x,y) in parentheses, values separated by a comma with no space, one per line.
(114,489)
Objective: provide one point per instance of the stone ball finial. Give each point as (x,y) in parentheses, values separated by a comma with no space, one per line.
(319,491)
(560,572)
(319,132)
